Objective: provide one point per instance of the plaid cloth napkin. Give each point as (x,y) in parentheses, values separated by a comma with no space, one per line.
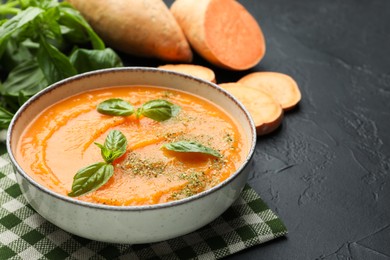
(24,234)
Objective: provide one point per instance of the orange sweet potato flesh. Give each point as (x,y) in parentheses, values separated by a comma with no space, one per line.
(221,31)
(141,28)
(193,70)
(264,109)
(281,86)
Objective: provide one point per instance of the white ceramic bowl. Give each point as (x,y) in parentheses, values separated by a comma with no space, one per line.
(131,224)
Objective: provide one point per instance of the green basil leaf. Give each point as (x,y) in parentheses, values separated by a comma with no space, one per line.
(48,25)
(5,118)
(175,110)
(107,154)
(191,147)
(114,146)
(26,77)
(44,4)
(91,178)
(9,8)
(115,107)
(54,64)
(15,53)
(158,110)
(22,98)
(17,22)
(69,15)
(86,60)
(116,141)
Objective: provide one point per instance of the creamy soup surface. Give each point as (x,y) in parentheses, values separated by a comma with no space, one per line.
(60,141)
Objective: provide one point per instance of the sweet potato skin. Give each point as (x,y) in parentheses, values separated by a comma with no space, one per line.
(143,28)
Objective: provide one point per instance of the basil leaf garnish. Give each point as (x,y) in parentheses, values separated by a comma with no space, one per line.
(91,178)
(191,147)
(115,107)
(175,109)
(114,146)
(158,110)
(95,175)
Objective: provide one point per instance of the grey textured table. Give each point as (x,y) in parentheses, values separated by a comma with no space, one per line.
(326,171)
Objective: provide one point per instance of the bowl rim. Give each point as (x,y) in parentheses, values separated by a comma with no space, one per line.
(136,208)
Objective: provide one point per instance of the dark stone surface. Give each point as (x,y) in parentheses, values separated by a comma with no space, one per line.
(326,171)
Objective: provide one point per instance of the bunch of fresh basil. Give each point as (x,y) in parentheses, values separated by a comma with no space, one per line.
(41,42)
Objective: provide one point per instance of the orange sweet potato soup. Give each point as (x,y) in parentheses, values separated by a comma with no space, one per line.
(61,140)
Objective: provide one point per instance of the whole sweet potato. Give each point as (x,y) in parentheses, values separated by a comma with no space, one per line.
(140,27)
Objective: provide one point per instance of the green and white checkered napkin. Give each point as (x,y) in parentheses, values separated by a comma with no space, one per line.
(24,234)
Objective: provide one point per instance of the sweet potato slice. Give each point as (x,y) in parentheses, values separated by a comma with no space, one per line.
(281,86)
(142,28)
(221,31)
(264,109)
(191,69)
